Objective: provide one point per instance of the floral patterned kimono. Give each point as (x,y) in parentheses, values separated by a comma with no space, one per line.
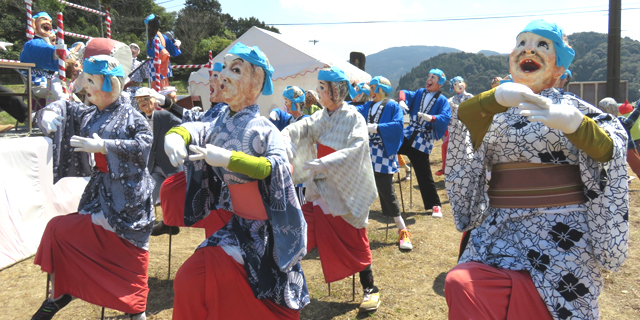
(100,254)
(562,247)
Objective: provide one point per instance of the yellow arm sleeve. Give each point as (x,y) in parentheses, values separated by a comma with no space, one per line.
(593,140)
(183,132)
(254,167)
(477,114)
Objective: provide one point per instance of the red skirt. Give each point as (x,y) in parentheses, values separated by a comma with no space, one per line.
(343,249)
(94,264)
(172,197)
(478,291)
(211,285)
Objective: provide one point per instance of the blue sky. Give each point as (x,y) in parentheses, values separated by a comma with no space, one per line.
(467,35)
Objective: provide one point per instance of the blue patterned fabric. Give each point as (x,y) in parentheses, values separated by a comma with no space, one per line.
(272,248)
(428,132)
(384,144)
(123,195)
(40,52)
(193,116)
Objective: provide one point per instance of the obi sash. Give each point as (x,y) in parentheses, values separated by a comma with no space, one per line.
(534,185)
(324,150)
(101,162)
(247,201)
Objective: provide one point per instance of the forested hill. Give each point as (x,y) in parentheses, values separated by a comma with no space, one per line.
(478,70)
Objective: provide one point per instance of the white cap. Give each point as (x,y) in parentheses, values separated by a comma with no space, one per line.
(144,91)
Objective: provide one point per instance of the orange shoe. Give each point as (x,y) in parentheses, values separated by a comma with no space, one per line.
(404,239)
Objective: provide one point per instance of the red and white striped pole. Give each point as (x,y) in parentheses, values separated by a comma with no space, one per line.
(30,32)
(108,21)
(210,63)
(156,63)
(61,51)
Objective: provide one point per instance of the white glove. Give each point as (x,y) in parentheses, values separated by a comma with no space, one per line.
(372,127)
(177,43)
(4,45)
(61,49)
(555,116)
(273,115)
(291,149)
(512,94)
(51,121)
(196,109)
(175,149)
(315,166)
(214,156)
(426,117)
(159,98)
(404,106)
(90,145)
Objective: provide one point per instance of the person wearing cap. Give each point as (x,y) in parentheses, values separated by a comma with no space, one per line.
(610,106)
(294,99)
(429,115)
(460,87)
(329,152)
(363,94)
(248,269)
(160,122)
(625,110)
(385,122)
(141,73)
(169,47)
(556,209)
(100,253)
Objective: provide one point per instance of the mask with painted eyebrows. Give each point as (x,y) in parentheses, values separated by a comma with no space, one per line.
(533,62)
(240,82)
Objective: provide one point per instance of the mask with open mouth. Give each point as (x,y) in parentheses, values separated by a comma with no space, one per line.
(43,27)
(533,62)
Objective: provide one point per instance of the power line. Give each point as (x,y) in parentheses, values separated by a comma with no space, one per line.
(164,2)
(516,15)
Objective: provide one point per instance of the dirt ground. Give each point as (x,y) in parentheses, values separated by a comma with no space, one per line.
(411,283)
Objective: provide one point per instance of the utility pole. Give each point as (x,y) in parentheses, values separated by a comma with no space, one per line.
(314,41)
(613,51)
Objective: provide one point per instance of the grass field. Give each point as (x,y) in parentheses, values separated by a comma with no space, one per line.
(411,283)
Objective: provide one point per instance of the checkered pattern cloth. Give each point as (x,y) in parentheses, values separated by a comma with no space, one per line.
(382,164)
(424,139)
(39,77)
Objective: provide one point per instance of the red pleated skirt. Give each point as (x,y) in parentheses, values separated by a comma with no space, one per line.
(94,264)
(172,197)
(343,249)
(211,285)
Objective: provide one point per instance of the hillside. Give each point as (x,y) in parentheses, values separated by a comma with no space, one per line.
(478,70)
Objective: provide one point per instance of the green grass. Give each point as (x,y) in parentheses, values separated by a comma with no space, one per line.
(5,118)
(181,86)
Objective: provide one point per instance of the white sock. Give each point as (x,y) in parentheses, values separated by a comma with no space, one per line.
(399,222)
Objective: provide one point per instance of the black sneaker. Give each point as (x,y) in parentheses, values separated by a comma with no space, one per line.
(49,308)
(160,228)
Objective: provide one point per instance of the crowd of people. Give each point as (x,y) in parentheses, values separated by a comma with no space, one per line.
(536,178)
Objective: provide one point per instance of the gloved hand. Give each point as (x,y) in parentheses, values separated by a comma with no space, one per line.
(426,117)
(90,145)
(177,43)
(512,94)
(196,109)
(175,149)
(4,45)
(213,155)
(290,148)
(159,98)
(555,116)
(51,121)
(372,127)
(273,115)
(315,166)
(404,106)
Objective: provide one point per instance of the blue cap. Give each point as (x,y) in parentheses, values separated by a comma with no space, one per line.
(217,67)
(101,67)
(376,82)
(336,75)
(255,56)
(453,81)
(42,14)
(288,93)
(565,74)
(361,89)
(551,31)
(440,75)
(149,18)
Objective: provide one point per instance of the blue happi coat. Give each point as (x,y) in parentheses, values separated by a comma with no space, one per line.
(120,198)
(272,248)
(387,141)
(428,132)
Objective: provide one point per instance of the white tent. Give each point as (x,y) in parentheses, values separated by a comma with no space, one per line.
(295,65)
(199,86)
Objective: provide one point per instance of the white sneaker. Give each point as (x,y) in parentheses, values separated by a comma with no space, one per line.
(437,212)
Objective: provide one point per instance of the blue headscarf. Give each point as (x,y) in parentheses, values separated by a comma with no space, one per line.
(442,78)
(565,74)
(42,14)
(551,31)
(288,93)
(149,18)
(101,67)
(217,67)
(362,89)
(255,56)
(376,82)
(453,81)
(336,75)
